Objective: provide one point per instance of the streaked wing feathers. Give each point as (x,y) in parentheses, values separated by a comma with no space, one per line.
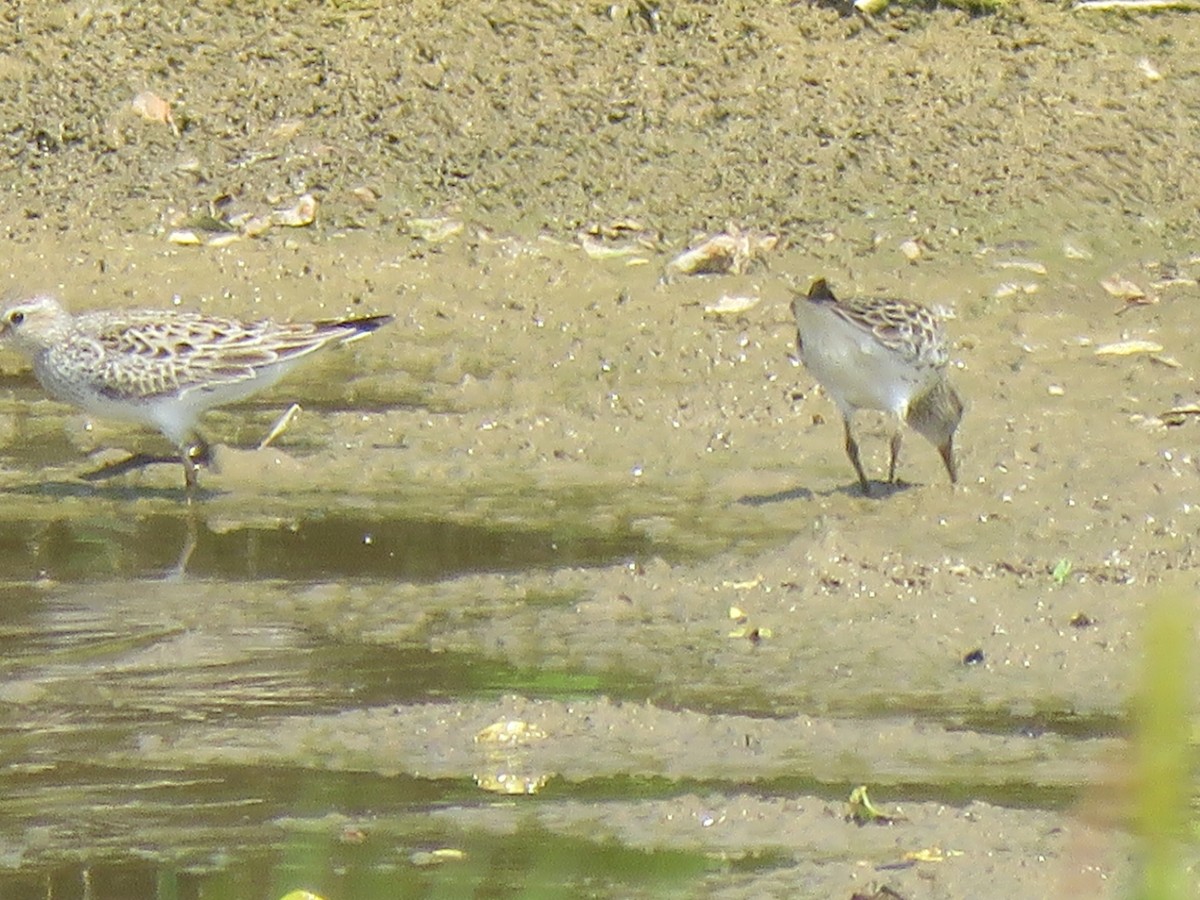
(147,355)
(908,329)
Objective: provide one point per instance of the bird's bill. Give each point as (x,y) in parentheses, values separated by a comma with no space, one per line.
(947,452)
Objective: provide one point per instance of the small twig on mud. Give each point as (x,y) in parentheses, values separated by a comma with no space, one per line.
(281,426)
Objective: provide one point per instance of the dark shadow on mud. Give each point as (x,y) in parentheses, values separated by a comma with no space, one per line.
(777,497)
(880,490)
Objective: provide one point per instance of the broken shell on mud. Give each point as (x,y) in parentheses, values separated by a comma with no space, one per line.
(1177,415)
(365,195)
(435,229)
(185,238)
(1128,348)
(304,212)
(1024,265)
(256,226)
(729,305)
(1148,69)
(598,249)
(1073,250)
(1121,287)
(1012,288)
(154,108)
(232,228)
(912,249)
(732,251)
(623,229)
(617,239)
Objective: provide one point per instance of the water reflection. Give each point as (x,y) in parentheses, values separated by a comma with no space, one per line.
(387,857)
(94,675)
(312,549)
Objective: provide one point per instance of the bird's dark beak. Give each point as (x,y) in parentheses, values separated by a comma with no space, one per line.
(947,452)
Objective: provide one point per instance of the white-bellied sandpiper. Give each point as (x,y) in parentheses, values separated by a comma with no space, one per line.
(162,368)
(884,354)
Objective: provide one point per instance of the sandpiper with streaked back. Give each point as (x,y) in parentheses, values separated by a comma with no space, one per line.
(162,368)
(884,354)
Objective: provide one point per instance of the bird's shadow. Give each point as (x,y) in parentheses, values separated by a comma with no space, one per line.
(879,490)
(99,483)
(108,490)
(799,493)
(129,464)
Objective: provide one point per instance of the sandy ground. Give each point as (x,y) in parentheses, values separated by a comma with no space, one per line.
(463,161)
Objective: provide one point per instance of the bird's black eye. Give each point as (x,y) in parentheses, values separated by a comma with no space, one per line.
(16,317)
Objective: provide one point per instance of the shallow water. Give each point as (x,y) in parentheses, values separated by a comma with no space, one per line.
(320,548)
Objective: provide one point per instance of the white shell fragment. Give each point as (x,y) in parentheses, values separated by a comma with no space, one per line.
(1148,69)
(729,305)
(1024,265)
(1072,250)
(256,226)
(621,238)
(731,251)
(1122,288)
(365,195)
(232,228)
(223,240)
(744,585)
(304,212)
(435,229)
(1128,348)
(597,249)
(1177,415)
(1129,291)
(154,108)
(1012,288)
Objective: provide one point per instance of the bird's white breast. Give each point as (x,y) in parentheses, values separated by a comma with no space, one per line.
(855,369)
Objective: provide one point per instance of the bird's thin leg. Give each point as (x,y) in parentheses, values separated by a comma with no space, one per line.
(193,455)
(897,437)
(852,452)
(189,472)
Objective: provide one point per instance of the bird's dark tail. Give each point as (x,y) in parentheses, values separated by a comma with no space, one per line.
(345,330)
(364,325)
